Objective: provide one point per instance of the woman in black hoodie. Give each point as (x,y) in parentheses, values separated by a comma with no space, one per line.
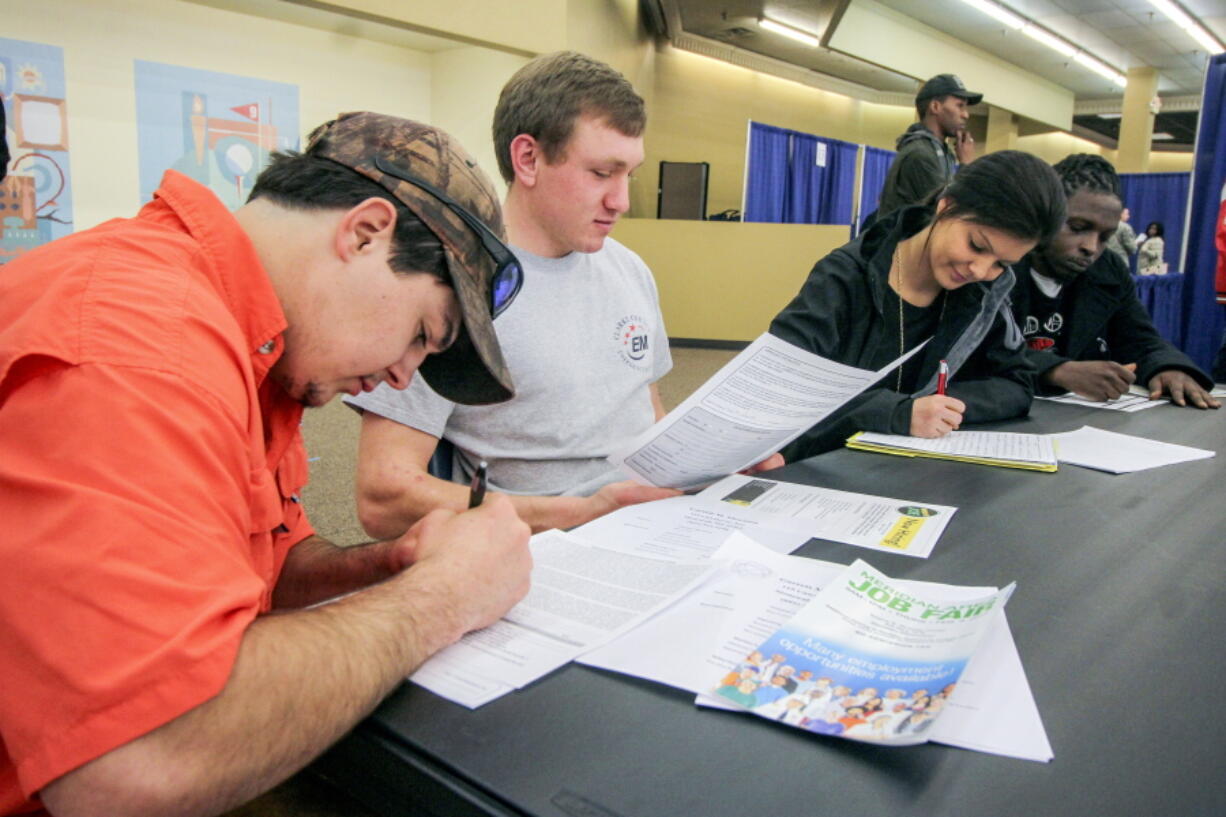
(938,273)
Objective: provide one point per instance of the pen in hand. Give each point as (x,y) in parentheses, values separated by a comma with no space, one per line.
(476,493)
(942,377)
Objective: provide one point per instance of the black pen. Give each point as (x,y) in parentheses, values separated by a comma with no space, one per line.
(476,493)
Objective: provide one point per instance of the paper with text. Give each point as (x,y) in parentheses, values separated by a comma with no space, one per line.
(991,447)
(581,596)
(764,398)
(879,523)
(686,527)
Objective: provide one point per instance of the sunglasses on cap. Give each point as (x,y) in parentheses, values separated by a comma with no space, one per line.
(508,274)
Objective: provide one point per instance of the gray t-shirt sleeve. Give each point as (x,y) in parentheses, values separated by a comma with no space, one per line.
(418,406)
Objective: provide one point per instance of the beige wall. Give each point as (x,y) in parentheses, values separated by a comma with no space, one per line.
(1052,147)
(724,280)
(526,26)
(465,83)
(1170,162)
(702,111)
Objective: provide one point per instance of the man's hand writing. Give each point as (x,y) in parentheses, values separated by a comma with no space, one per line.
(1093,379)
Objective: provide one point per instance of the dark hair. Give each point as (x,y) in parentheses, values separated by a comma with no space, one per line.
(1087,171)
(921,105)
(300,181)
(1007,190)
(545,97)
(1158,224)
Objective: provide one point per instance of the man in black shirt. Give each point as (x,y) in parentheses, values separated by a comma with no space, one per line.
(1086,331)
(4,145)
(924,162)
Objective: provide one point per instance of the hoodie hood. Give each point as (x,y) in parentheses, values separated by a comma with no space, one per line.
(916,133)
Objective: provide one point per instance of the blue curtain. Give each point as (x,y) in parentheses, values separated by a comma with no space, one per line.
(766,178)
(1202,316)
(798,178)
(877,163)
(1162,296)
(1158,197)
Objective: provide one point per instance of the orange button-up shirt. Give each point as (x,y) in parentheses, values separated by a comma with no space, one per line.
(149,478)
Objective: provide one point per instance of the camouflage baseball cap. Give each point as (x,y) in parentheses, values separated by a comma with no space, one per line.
(472,370)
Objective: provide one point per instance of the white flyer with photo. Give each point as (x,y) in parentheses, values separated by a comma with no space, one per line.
(876,522)
(886,659)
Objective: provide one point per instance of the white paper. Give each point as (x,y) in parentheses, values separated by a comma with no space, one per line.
(874,522)
(756,590)
(684,527)
(581,596)
(1129,401)
(761,400)
(996,445)
(459,686)
(993,710)
(1101,450)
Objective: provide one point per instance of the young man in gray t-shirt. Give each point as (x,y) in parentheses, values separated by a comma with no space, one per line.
(585,341)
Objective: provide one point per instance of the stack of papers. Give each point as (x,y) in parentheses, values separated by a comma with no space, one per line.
(709,633)
(582,595)
(1115,453)
(1032,452)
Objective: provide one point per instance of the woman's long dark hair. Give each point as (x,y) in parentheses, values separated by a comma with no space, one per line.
(1009,190)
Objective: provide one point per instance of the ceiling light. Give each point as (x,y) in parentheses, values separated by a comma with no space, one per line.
(1193,28)
(1003,14)
(1048,39)
(1057,44)
(1161,137)
(1101,68)
(1109,115)
(789,31)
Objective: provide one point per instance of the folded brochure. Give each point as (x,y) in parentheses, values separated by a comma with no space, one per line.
(864,659)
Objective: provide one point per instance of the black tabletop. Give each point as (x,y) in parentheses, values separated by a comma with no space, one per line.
(1121,587)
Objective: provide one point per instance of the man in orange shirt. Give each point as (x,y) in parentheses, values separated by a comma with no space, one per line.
(152,377)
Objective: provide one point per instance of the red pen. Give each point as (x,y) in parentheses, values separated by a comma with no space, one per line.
(942,377)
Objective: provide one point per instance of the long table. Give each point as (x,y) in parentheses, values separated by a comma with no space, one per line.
(1117,614)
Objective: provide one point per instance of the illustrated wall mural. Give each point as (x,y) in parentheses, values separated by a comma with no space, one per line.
(215,128)
(36,195)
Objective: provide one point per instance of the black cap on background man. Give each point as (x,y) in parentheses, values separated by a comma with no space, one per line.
(946,85)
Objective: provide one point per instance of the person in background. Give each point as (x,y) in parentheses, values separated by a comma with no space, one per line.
(925,163)
(936,273)
(1152,247)
(586,339)
(4,145)
(1086,331)
(159,648)
(1123,241)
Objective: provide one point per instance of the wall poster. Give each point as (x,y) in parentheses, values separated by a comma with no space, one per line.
(36,194)
(215,128)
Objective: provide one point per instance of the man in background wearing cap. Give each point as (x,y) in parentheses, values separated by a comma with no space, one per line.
(153,373)
(924,162)
(586,340)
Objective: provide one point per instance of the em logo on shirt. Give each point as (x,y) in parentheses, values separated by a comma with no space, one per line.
(631,340)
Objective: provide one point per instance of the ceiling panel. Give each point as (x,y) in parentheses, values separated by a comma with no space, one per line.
(1124,33)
